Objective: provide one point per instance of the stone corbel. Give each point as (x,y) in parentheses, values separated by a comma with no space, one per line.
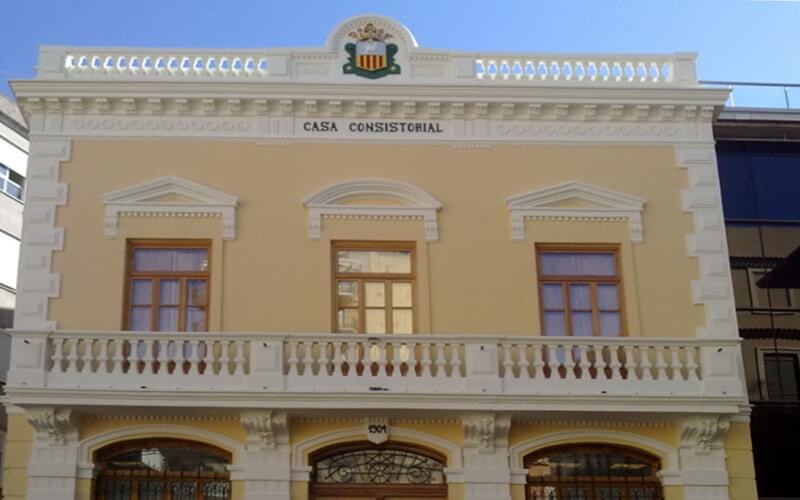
(485,433)
(704,433)
(53,426)
(266,430)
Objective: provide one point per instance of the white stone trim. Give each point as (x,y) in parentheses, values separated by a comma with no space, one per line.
(53,463)
(136,201)
(89,445)
(330,201)
(301,470)
(609,206)
(40,236)
(668,454)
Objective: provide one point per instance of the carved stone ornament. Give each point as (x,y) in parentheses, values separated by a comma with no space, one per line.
(265,429)
(486,432)
(53,426)
(704,433)
(377,430)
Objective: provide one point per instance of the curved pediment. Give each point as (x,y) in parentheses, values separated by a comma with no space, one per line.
(170,196)
(577,201)
(372,198)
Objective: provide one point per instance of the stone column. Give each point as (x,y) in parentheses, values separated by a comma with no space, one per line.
(265,466)
(487,474)
(702,458)
(53,466)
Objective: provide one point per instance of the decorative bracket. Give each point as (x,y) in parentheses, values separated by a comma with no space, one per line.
(486,432)
(265,429)
(53,426)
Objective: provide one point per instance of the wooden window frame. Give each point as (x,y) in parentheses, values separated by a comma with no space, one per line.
(592,281)
(362,278)
(157,276)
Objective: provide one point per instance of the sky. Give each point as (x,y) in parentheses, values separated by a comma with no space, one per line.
(738,40)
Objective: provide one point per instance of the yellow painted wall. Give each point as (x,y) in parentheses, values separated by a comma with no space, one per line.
(474,280)
(16,455)
(739,451)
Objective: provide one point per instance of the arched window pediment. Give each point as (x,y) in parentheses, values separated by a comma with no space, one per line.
(372,199)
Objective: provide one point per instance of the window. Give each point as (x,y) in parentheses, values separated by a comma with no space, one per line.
(592,472)
(167,285)
(580,291)
(11,182)
(162,469)
(373,287)
(768,298)
(781,376)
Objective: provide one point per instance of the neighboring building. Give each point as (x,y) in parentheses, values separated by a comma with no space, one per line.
(13,167)
(373,270)
(759,163)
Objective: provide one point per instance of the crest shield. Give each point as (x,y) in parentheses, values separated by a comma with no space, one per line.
(371,56)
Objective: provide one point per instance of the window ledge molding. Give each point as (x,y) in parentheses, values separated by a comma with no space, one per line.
(141,200)
(331,202)
(605,205)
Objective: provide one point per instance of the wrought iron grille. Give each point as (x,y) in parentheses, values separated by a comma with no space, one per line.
(379,466)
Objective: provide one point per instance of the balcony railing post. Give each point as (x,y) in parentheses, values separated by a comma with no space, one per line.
(720,368)
(481,368)
(29,352)
(266,365)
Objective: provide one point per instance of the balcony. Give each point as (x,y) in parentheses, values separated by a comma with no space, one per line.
(386,371)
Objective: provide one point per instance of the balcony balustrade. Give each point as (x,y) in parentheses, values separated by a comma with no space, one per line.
(392,364)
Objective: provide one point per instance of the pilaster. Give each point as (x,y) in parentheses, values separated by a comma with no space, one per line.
(487,473)
(265,465)
(53,466)
(702,458)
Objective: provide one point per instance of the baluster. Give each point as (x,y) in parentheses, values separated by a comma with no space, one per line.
(584,364)
(308,359)
(661,366)
(147,358)
(411,362)
(508,363)
(396,361)
(647,374)
(102,356)
(72,356)
(630,363)
(337,358)
(569,362)
(691,364)
(614,365)
(325,359)
(441,362)
(425,364)
(239,367)
(455,360)
(58,355)
(193,358)
(352,359)
(382,358)
(293,359)
(522,361)
(675,363)
(215,358)
(118,362)
(601,362)
(538,363)
(552,361)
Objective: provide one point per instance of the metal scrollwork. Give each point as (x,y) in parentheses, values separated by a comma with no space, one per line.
(379,466)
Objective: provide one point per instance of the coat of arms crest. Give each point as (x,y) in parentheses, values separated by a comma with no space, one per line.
(371,56)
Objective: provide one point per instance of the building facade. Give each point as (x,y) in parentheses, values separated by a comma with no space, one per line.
(373,270)
(759,164)
(13,166)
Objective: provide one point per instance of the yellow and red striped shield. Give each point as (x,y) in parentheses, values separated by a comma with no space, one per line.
(371,55)
(371,62)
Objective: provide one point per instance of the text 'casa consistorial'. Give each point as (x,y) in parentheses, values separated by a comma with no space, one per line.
(373,126)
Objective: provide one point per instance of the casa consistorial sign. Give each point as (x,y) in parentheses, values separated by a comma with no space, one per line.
(372,127)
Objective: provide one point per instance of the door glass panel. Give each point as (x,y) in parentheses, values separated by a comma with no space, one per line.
(607,297)
(552,296)
(402,321)
(195,319)
(609,324)
(348,320)
(554,324)
(373,261)
(167,319)
(580,298)
(376,320)
(140,319)
(375,294)
(582,324)
(401,294)
(151,490)
(169,292)
(142,292)
(347,292)
(184,490)
(196,292)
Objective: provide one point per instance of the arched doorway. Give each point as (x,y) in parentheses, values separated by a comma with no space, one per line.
(162,469)
(592,472)
(365,471)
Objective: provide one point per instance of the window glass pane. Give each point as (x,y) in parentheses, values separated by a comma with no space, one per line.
(140,319)
(781,376)
(169,292)
(347,293)
(376,320)
(607,297)
(371,261)
(374,295)
(196,292)
(582,324)
(402,321)
(552,296)
(610,324)
(577,264)
(554,324)
(195,319)
(580,297)
(167,319)
(170,259)
(142,292)
(184,490)
(348,320)
(401,295)
(14,190)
